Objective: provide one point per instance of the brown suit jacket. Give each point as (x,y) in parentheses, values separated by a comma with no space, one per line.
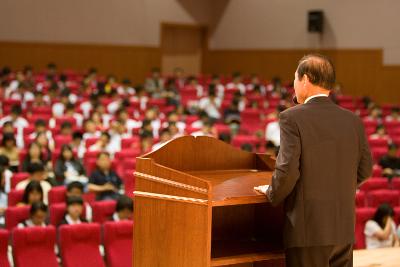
(324,154)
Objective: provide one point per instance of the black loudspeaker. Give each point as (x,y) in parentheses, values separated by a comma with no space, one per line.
(316,21)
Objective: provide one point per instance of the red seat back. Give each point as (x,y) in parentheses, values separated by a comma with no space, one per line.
(18,177)
(103,210)
(396,184)
(360,199)
(375,184)
(79,245)
(118,239)
(34,246)
(362,216)
(15,197)
(378,197)
(15,215)
(57,195)
(4,235)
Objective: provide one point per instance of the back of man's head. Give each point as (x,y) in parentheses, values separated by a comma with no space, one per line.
(319,70)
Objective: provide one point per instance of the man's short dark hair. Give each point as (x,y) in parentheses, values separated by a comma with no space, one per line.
(75,184)
(35,167)
(123,203)
(74,200)
(319,70)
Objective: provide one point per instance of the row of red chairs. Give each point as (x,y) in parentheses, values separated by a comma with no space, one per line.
(102,211)
(362,216)
(78,244)
(374,198)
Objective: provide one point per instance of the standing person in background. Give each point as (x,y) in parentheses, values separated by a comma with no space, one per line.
(317,170)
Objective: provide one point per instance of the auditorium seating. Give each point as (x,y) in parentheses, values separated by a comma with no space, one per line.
(79,245)
(362,216)
(15,215)
(34,247)
(374,184)
(4,236)
(18,177)
(118,243)
(360,199)
(377,197)
(57,195)
(103,210)
(15,197)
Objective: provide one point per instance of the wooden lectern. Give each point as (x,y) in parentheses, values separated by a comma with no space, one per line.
(195,207)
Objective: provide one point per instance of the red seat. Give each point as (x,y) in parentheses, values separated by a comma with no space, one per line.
(127,153)
(378,197)
(376,171)
(378,152)
(4,236)
(61,140)
(34,247)
(15,197)
(15,215)
(360,199)
(396,184)
(118,243)
(362,216)
(130,142)
(79,245)
(61,120)
(129,182)
(103,210)
(57,195)
(18,177)
(397,215)
(222,128)
(239,140)
(91,141)
(378,142)
(375,184)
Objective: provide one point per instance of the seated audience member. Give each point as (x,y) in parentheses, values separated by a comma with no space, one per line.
(394,115)
(39,100)
(32,193)
(165,136)
(173,118)
(47,148)
(126,89)
(35,155)
(232,113)
(256,86)
(104,144)
(15,117)
(37,216)
(10,150)
(154,85)
(123,209)
(4,163)
(41,127)
(59,108)
(146,141)
(375,114)
(390,162)
(206,130)
(194,83)
(36,173)
(104,181)
(90,130)
(122,116)
(152,115)
(87,106)
(211,104)
(170,93)
(203,118)
(78,145)
(174,130)
(70,112)
(76,189)
(3,195)
(74,211)
(66,129)
(219,87)
(8,128)
(380,133)
(237,83)
(117,132)
(380,232)
(67,168)
(272,130)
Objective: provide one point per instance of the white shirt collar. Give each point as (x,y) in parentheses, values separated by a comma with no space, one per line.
(70,221)
(314,96)
(116,217)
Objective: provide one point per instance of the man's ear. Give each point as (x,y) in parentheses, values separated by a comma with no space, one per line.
(304,79)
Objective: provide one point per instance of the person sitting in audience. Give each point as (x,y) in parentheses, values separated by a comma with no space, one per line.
(37,216)
(165,136)
(104,181)
(194,84)
(123,209)
(67,168)
(59,108)
(5,165)
(32,193)
(179,77)
(102,118)
(232,113)
(394,115)
(203,118)
(35,155)
(70,112)
(237,83)
(123,117)
(173,117)
(390,162)
(78,145)
(380,133)
(256,85)
(36,173)
(170,93)
(272,130)
(146,141)
(15,117)
(104,144)
(152,115)
(375,114)
(3,195)
(76,189)
(126,89)
(154,85)
(211,104)
(219,87)
(87,106)
(40,100)
(66,128)
(74,211)
(8,128)
(380,232)
(41,129)
(23,93)
(206,130)
(10,150)
(90,130)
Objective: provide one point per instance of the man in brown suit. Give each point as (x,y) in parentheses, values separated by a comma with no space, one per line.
(324,155)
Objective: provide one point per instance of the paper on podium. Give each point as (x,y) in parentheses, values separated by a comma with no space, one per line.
(262,189)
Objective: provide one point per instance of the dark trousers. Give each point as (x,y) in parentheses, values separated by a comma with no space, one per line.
(320,256)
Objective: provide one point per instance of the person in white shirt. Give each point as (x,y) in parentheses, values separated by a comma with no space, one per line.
(394,115)
(380,232)
(87,106)
(37,216)
(219,87)
(165,136)
(90,130)
(123,117)
(74,214)
(237,83)
(15,117)
(211,104)
(123,210)
(126,89)
(206,130)
(272,130)
(59,108)
(23,93)
(104,145)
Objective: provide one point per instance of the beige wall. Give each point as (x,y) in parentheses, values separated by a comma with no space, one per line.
(282,24)
(126,22)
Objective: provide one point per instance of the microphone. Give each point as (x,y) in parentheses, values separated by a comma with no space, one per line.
(294,99)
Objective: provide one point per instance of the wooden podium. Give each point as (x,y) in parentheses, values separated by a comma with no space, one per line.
(195,207)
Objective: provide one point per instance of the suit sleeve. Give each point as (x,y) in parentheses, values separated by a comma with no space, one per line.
(287,164)
(365,164)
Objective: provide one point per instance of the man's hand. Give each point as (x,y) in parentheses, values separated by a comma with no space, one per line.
(261,189)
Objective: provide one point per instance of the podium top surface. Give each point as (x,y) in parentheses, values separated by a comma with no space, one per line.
(233,187)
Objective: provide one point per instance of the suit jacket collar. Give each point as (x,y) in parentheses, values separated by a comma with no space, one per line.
(319,99)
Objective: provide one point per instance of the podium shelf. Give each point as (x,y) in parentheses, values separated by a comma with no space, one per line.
(235,252)
(235,187)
